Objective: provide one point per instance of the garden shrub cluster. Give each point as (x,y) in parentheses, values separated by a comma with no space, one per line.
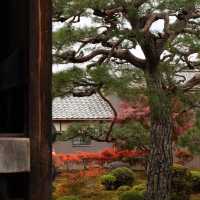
(118,177)
(195,181)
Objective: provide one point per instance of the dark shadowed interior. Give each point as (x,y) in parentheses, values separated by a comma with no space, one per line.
(13,66)
(13,87)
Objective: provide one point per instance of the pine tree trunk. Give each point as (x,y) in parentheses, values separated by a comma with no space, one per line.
(160,159)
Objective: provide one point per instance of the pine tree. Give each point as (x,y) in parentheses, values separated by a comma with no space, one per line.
(105,49)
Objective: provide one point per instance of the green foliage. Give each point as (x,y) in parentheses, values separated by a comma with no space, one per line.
(68,198)
(67,8)
(178,4)
(113,80)
(117,79)
(131,195)
(195,179)
(108,181)
(65,81)
(67,36)
(181,183)
(133,134)
(124,176)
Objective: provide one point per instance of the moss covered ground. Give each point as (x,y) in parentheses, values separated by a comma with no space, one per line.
(89,188)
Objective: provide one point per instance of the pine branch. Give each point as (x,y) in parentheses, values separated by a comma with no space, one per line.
(193,82)
(122,54)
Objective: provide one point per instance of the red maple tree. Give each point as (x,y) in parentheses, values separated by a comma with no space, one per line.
(183,119)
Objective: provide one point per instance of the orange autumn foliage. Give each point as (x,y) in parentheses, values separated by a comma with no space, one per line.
(106,155)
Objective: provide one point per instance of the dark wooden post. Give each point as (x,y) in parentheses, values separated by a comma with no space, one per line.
(40,99)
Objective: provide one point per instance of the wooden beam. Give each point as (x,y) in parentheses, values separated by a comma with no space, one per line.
(40,99)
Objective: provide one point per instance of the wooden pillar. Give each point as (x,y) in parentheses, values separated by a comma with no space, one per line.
(39,127)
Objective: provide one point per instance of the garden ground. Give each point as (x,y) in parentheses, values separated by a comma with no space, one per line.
(86,185)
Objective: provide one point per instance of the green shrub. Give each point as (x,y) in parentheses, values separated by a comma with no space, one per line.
(109,181)
(68,198)
(131,195)
(195,181)
(124,176)
(181,183)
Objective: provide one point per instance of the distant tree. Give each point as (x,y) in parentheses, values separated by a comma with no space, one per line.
(106,48)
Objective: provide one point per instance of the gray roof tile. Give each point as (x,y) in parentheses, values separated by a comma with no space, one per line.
(81,108)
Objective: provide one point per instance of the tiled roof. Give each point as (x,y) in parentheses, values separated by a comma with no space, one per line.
(81,108)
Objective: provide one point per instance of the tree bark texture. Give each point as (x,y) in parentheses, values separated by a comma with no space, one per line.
(160,159)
